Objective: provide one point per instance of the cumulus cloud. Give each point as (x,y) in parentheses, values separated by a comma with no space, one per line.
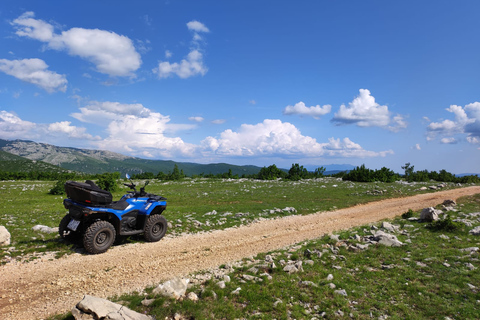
(102,112)
(274,138)
(65,128)
(112,54)
(466,122)
(313,111)
(138,135)
(34,71)
(193,64)
(12,127)
(364,111)
(135,129)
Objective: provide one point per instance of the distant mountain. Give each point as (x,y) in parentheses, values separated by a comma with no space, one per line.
(13,163)
(98,161)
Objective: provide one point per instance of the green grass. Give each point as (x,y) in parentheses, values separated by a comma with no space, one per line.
(24,204)
(408,282)
(427,278)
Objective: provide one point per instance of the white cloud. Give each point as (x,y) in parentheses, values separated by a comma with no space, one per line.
(27,26)
(417,147)
(189,67)
(196,119)
(197,26)
(301,109)
(111,53)
(466,122)
(102,112)
(365,112)
(193,64)
(274,137)
(135,129)
(137,135)
(219,121)
(65,128)
(449,140)
(12,127)
(34,71)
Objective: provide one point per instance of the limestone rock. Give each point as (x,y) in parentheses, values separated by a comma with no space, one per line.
(4,236)
(174,288)
(91,307)
(386,239)
(430,214)
(475,231)
(44,229)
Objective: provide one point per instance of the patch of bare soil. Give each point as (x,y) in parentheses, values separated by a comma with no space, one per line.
(44,287)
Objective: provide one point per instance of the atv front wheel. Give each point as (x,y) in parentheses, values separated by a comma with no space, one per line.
(155,228)
(65,233)
(99,237)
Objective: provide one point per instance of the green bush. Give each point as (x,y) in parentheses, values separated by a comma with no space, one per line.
(58,188)
(446,224)
(108,181)
(407,214)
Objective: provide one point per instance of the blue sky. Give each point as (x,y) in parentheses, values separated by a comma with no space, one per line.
(379,83)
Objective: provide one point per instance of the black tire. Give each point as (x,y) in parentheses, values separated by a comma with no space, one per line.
(98,237)
(155,228)
(65,233)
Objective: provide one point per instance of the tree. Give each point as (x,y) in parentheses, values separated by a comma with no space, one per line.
(319,172)
(408,170)
(270,173)
(297,172)
(108,181)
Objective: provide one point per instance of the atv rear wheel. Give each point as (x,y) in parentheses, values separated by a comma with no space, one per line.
(98,237)
(155,228)
(65,233)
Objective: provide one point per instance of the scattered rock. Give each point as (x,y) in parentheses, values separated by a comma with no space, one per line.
(174,288)
(430,214)
(44,229)
(389,227)
(4,236)
(341,292)
(97,308)
(192,296)
(290,268)
(147,302)
(387,239)
(221,284)
(236,291)
(475,231)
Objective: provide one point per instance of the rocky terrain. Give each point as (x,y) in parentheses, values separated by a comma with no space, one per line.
(47,286)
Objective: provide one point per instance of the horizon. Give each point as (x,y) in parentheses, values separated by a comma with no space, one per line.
(247,83)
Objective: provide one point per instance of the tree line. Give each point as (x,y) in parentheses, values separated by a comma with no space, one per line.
(363,174)
(272,172)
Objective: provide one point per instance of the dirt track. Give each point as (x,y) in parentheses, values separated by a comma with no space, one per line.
(44,287)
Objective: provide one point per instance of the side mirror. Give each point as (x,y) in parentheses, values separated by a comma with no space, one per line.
(127,176)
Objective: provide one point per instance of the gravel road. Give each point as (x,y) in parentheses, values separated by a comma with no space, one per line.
(47,286)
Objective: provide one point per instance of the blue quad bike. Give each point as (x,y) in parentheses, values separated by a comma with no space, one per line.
(94,219)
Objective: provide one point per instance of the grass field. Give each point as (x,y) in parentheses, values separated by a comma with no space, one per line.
(433,275)
(193,205)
